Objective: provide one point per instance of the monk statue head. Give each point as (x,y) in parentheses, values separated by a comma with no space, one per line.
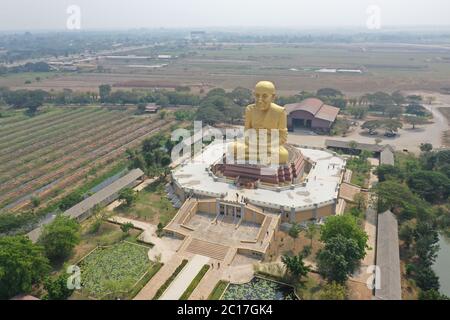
(264,95)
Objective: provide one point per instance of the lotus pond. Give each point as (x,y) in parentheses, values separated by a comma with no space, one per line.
(259,289)
(114,268)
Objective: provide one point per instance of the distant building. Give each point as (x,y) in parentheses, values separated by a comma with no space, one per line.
(152,108)
(198,35)
(312,114)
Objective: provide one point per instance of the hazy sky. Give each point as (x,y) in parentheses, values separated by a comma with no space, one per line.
(123,14)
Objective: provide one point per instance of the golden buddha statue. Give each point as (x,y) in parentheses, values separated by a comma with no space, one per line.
(264,114)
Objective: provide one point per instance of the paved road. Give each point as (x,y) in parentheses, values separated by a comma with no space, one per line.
(184,278)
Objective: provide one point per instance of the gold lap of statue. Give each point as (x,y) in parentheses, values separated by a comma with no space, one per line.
(264,114)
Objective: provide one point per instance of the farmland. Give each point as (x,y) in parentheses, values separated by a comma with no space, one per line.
(60,149)
(385,67)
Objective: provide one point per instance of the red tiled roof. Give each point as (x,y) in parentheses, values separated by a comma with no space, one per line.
(316,107)
(328,113)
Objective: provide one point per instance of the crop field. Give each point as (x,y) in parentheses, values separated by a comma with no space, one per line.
(114,268)
(385,67)
(51,154)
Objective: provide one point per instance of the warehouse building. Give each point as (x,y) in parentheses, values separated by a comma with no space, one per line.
(311,114)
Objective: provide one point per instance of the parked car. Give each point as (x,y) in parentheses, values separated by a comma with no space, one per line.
(390,134)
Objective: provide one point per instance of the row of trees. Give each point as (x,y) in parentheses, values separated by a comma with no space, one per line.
(390,105)
(27,67)
(417,191)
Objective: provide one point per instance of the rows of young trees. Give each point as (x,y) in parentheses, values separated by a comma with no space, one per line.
(417,190)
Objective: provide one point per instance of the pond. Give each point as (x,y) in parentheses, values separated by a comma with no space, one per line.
(259,289)
(442,264)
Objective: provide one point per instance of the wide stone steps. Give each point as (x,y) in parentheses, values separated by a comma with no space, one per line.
(208,249)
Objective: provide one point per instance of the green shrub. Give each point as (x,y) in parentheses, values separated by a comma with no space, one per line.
(169,281)
(187,293)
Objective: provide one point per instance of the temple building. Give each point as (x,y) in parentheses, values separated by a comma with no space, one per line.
(231,206)
(312,114)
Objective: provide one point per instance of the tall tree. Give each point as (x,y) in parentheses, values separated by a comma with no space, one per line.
(128,195)
(57,287)
(60,237)
(431,185)
(414,121)
(345,226)
(22,264)
(311,231)
(295,266)
(339,258)
(104,92)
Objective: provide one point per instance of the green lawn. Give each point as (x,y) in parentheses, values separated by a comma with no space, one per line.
(151,205)
(111,272)
(360,171)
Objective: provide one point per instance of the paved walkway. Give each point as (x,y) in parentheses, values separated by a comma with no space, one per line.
(184,278)
(164,247)
(370,226)
(149,290)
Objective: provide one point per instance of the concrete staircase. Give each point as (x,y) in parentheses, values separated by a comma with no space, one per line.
(173,197)
(208,249)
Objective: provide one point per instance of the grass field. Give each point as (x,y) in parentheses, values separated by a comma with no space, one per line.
(62,149)
(151,205)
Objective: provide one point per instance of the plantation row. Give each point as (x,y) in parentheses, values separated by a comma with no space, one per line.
(78,178)
(59,143)
(19,120)
(110,140)
(13,142)
(69,146)
(47,141)
(61,157)
(17,131)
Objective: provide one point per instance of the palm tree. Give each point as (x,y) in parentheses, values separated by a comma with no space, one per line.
(294,231)
(311,232)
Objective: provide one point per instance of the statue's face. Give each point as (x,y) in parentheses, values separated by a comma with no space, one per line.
(263,98)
